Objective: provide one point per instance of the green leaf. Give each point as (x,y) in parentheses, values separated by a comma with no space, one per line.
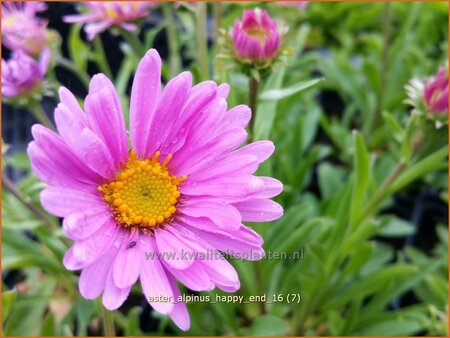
(78,50)
(18,160)
(48,326)
(33,305)
(361,163)
(396,327)
(267,110)
(269,325)
(407,140)
(278,94)
(331,179)
(394,127)
(8,298)
(395,227)
(432,163)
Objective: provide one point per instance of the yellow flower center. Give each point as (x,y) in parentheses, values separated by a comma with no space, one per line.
(144,193)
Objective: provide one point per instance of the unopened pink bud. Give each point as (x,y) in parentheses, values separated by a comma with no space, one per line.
(256,37)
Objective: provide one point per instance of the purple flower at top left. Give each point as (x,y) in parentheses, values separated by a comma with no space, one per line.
(100,15)
(21,73)
(22,30)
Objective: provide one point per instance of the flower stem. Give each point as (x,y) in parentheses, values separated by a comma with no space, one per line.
(9,185)
(202,41)
(218,12)
(40,115)
(102,61)
(133,40)
(70,66)
(172,40)
(253,91)
(108,322)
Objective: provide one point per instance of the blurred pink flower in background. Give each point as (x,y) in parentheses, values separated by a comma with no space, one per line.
(22,30)
(130,213)
(436,92)
(101,15)
(21,74)
(299,4)
(256,37)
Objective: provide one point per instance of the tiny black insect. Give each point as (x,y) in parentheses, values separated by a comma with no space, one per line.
(131,244)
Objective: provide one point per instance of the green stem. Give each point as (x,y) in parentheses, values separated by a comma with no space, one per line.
(172,40)
(134,41)
(41,116)
(70,66)
(380,194)
(253,91)
(386,38)
(102,61)
(218,12)
(202,41)
(108,322)
(9,185)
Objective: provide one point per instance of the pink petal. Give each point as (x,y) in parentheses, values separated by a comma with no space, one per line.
(170,105)
(127,264)
(261,149)
(233,244)
(194,277)
(113,297)
(179,314)
(62,156)
(71,262)
(85,222)
(185,162)
(90,249)
(93,151)
(106,118)
(221,272)
(64,201)
(259,210)
(233,187)
(154,279)
(238,116)
(144,98)
(52,171)
(93,277)
(228,165)
(174,252)
(222,214)
(69,100)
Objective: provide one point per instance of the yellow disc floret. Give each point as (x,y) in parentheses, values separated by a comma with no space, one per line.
(144,193)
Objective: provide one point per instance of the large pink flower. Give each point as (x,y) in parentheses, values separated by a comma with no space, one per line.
(162,211)
(256,38)
(101,15)
(22,30)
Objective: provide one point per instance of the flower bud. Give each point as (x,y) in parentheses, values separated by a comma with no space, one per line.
(256,38)
(436,93)
(21,73)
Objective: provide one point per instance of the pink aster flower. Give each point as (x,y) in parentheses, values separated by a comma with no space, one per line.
(256,37)
(21,74)
(164,209)
(101,15)
(436,93)
(22,30)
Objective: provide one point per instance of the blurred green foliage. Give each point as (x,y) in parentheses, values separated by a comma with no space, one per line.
(344,147)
